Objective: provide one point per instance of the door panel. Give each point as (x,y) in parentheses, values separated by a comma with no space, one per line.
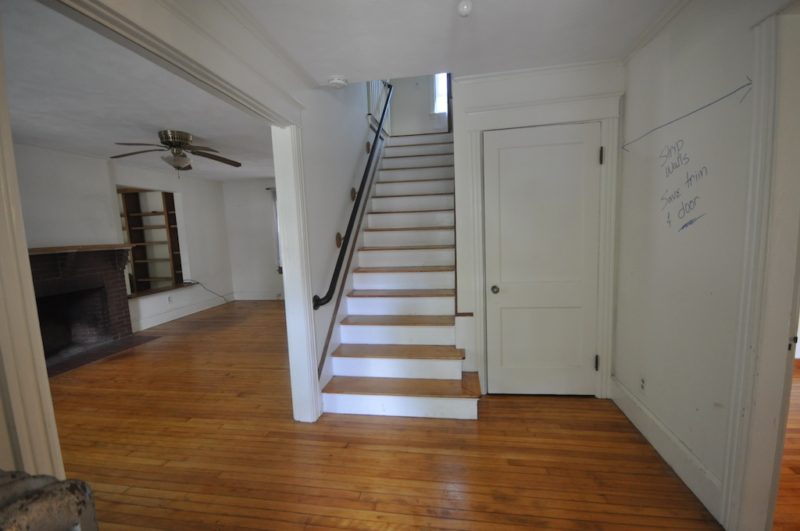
(542,233)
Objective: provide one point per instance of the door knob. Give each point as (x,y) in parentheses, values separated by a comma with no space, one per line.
(495,289)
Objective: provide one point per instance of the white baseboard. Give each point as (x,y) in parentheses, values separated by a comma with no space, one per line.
(257,296)
(143,322)
(704,484)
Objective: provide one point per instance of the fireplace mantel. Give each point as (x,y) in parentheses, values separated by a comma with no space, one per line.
(79,248)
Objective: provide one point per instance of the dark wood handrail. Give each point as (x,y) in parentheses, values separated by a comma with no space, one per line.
(337,270)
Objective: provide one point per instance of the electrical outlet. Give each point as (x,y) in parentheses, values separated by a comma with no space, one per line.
(642,383)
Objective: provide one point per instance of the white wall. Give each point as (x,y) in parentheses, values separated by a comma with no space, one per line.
(412,107)
(67,199)
(334,132)
(71,199)
(678,291)
(250,221)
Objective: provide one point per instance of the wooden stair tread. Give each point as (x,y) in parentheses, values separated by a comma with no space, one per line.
(420,155)
(467,387)
(411,195)
(407,248)
(400,229)
(418,167)
(411,211)
(406,269)
(405,352)
(423,144)
(418,180)
(400,320)
(402,293)
(422,134)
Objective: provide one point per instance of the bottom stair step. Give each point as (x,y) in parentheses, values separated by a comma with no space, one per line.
(455,399)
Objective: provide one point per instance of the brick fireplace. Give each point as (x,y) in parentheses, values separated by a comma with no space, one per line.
(81,298)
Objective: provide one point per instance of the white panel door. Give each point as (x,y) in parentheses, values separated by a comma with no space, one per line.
(542,212)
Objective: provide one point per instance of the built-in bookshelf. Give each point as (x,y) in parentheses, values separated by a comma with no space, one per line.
(150,226)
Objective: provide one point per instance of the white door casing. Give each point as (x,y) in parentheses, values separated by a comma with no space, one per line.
(542,218)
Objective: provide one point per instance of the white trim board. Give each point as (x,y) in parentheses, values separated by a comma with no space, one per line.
(300,330)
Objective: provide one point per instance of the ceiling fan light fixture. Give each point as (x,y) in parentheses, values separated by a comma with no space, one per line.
(337,81)
(179,161)
(178,143)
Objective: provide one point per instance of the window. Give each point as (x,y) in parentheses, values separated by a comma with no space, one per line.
(150,225)
(440,93)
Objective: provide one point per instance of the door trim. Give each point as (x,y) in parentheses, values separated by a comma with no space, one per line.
(606,267)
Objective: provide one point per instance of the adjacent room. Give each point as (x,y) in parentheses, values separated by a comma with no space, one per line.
(119,245)
(273,264)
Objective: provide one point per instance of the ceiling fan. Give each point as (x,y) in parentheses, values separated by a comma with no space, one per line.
(178,143)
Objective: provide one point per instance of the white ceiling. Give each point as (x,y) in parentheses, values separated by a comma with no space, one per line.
(380,39)
(72,89)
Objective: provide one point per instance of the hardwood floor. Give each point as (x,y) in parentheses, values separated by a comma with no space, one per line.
(194,431)
(787,511)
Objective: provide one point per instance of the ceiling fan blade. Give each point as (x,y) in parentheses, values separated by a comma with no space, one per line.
(137,144)
(201,148)
(136,153)
(217,158)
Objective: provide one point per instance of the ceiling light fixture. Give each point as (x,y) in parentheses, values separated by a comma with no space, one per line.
(465,8)
(337,81)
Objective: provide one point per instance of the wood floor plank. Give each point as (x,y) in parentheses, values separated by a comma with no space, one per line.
(787,509)
(194,430)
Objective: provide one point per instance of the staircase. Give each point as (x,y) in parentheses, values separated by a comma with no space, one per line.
(397,354)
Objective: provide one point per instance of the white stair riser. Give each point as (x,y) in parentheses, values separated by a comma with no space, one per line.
(411,219)
(397,368)
(416,187)
(398,335)
(420,139)
(420,149)
(401,406)
(401,305)
(444,172)
(418,202)
(417,162)
(412,257)
(426,280)
(409,237)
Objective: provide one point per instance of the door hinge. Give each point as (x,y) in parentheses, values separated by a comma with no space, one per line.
(792,342)
(601,154)
(597,362)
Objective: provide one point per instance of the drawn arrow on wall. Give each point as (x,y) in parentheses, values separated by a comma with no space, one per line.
(748,86)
